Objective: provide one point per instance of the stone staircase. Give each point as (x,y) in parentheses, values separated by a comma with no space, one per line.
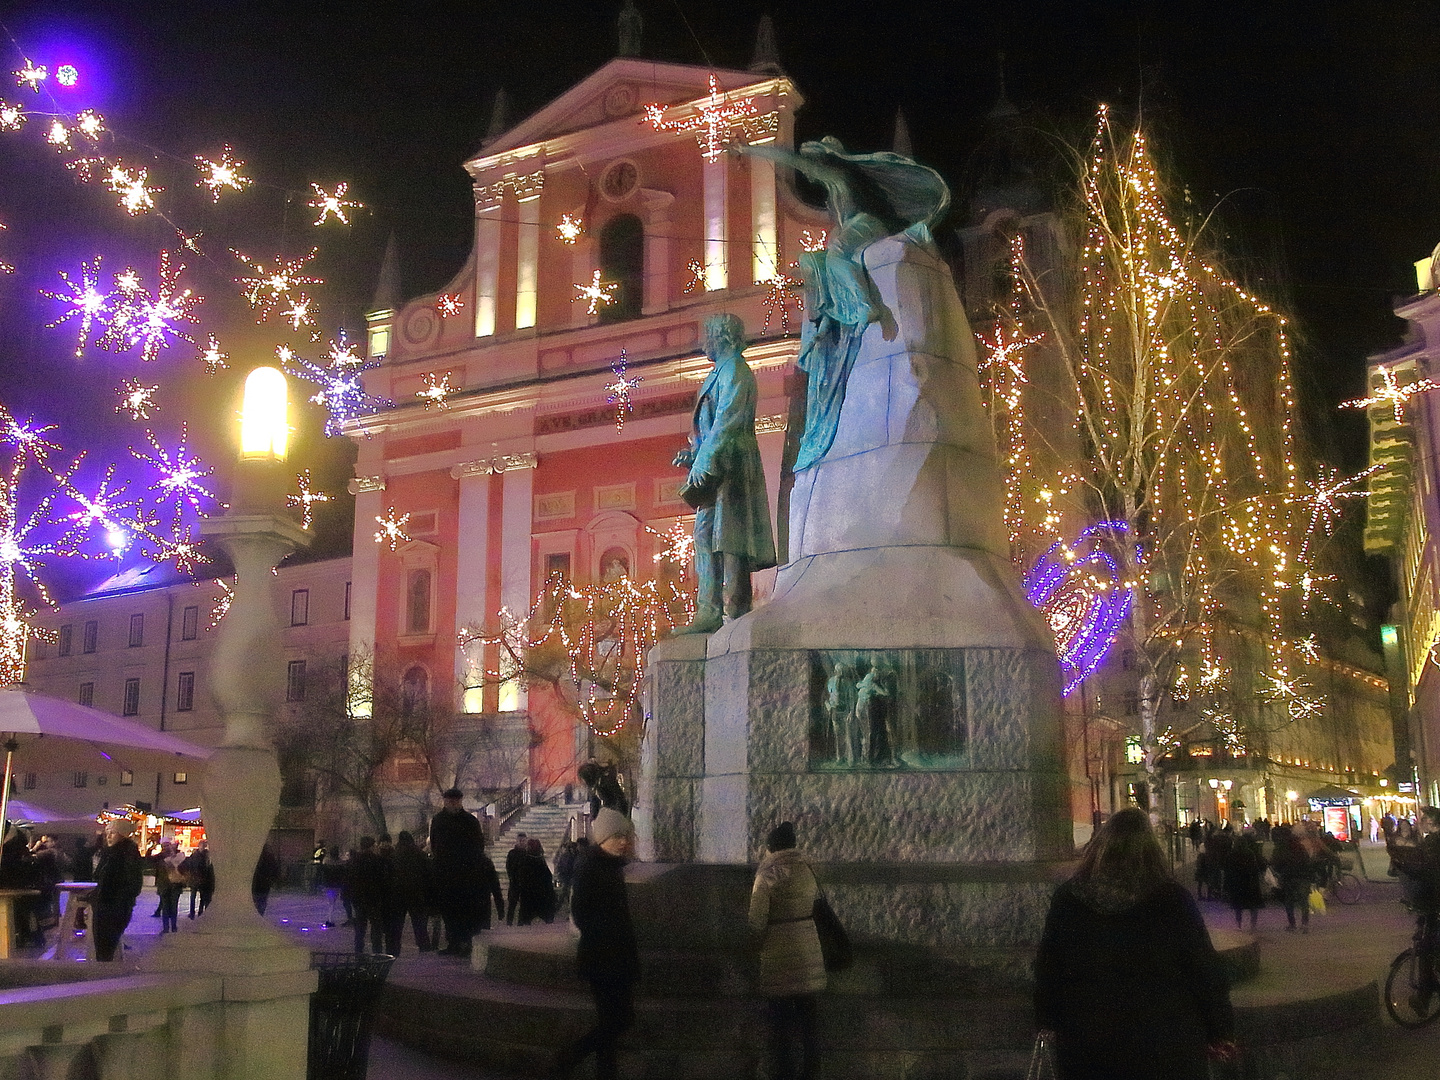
(547,822)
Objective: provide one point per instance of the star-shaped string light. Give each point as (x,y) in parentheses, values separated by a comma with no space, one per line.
(183,549)
(58,135)
(1323,497)
(341,392)
(620,390)
(332,204)
(784,293)
(392,529)
(190,241)
(12,117)
(222,175)
(1391,392)
(90,124)
(267,288)
(136,195)
(343,353)
(85,302)
(569,229)
(31,75)
(814,241)
(436,391)
(712,117)
(449,305)
(212,356)
(697,275)
(222,604)
(596,293)
(307,498)
(679,546)
(298,313)
(149,322)
(1309,648)
(180,474)
(136,399)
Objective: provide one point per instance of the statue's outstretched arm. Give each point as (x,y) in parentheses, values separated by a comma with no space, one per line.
(813,167)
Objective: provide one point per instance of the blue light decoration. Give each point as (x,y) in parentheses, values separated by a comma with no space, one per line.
(1082,595)
(67,75)
(342,393)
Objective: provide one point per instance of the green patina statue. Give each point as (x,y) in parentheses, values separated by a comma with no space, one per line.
(726,482)
(871,196)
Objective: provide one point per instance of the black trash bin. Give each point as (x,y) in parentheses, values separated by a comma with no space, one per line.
(342,1011)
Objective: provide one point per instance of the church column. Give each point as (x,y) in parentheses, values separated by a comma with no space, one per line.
(717,274)
(516,510)
(527,190)
(487,266)
(472,573)
(369,492)
(657,249)
(764,235)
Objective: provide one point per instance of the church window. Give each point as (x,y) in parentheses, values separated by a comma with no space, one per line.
(417,602)
(622,263)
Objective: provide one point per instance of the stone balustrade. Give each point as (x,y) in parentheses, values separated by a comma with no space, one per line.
(148,1025)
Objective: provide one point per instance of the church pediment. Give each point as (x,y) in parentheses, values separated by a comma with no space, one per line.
(619,89)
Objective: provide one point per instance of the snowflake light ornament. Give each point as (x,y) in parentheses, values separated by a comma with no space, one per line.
(90,124)
(180,474)
(392,529)
(679,546)
(341,392)
(136,399)
(136,196)
(1391,392)
(710,121)
(436,391)
(306,498)
(59,135)
(332,204)
(449,305)
(85,302)
(696,270)
(149,323)
(298,313)
(784,293)
(12,117)
(620,390)
(221,175)
(31,75)
(267,288)
(569,229)
(1323,497)
(596,293)
(212,356)
(813,241)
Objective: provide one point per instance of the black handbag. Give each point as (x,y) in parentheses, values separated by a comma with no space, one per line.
(834,941)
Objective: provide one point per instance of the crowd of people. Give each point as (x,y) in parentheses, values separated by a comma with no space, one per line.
(1253,865)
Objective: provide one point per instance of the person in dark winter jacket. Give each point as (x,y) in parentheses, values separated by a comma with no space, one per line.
(514,871)
(565,860)
(1294,869)
(410,893)
(607,955)
(456,845)
(489,889)
(119,877)
(1127,983)
(200,871)
(267,873)
(537,886)
(369,883)
(1244,873)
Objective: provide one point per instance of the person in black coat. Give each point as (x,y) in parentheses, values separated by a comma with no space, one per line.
(489,890)
(1296,873)
(514,871)
(369,884)
(410,892)
(1127,983)
(267,873)
(119,877)
(607,955)
(456,844)
(537,886)
(201,873)
(1244,873)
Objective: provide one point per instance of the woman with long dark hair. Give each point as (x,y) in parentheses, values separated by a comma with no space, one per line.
(1127,983)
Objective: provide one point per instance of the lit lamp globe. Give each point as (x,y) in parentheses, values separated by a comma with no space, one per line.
(260,478)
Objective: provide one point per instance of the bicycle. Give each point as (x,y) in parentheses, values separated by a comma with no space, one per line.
(1344,887)
(1412,992)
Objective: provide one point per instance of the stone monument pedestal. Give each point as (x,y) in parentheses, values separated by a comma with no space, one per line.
(898,698)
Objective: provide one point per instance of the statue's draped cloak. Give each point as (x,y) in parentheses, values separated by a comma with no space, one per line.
(738,521)
(873,196)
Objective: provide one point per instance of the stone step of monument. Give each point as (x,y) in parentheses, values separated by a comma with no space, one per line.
(547,822)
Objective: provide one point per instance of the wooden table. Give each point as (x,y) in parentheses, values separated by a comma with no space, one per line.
(7,918)
(72,902)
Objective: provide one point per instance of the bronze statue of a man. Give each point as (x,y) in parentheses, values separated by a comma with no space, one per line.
(726,482)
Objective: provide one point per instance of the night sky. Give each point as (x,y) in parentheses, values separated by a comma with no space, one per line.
(1310,128)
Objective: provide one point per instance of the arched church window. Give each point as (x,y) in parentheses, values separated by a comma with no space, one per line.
(622,263)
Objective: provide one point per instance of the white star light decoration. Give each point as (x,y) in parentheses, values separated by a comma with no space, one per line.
(1323,498)
(621,389)
(449,305)
(810,241)
(85,302)
(266,289)
(1392,393)
(140,320)
(332,204)
(1309,648)
(596,293)
(59,135)
(221,175)
(298,313)
(712,118)
(392,529)
(784,292)
(136,196)
(436,392)
(136,399)
(180,474)
(569,229)
(342,394)
(697,275)
(679,546)
(306,498)
(31,75)
(212,356)
(12,117)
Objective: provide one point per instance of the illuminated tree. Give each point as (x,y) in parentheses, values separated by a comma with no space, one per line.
(1184,437)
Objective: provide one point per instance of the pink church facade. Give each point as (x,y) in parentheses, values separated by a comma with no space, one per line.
(522,474)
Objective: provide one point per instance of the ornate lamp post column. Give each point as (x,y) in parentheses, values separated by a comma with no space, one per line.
(267,1020)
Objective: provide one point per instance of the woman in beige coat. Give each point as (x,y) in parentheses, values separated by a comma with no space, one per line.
(792,969)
